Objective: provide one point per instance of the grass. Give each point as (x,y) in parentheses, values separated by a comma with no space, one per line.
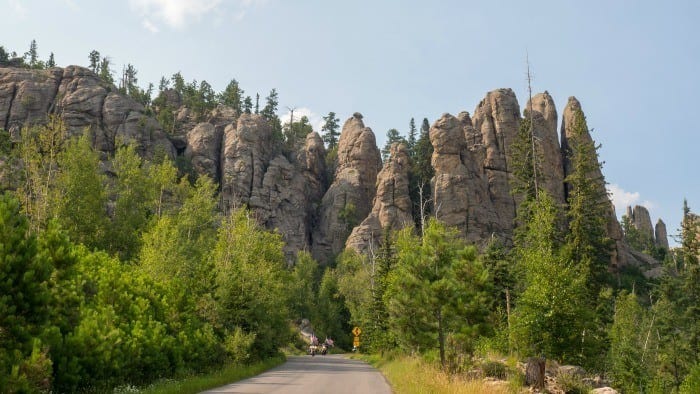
(409,375)
(226,375)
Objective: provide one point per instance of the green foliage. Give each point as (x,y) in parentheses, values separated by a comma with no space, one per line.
(232,96)
(24,296)
(330,131)
(332,314)
(552,313)
(587,242)
(392,136)
(251,283)
(304,287)
(421,173)
(131,209)
(630,350)
(80,195)
(691,383)
(438,287)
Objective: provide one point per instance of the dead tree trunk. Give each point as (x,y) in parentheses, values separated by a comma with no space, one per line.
(534,372)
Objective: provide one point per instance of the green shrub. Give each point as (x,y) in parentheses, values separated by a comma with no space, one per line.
(495,369)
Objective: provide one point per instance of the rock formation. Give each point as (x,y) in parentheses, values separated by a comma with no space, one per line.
(285,185)
(496,119)
(660,235)
(461,193)
(282,194)
(347,201)
(83,101)
(640,219)
(392,204)
(203,149)
(544,128)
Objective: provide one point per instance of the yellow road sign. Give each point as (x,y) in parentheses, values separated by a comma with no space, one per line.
(356,331)
(356,342)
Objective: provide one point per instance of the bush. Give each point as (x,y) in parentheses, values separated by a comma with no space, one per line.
(572,384)
(495,369)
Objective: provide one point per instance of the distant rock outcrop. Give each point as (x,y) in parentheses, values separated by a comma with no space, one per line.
(392,204)
(660,235)
(284,182)
(83,100)
(640,219)
(347,201)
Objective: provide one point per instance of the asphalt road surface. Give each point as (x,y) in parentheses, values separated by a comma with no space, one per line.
(308,375)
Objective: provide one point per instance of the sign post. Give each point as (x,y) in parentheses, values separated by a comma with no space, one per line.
(356,337)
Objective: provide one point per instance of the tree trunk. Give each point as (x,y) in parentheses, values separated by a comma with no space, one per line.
(441,340)
(534,372)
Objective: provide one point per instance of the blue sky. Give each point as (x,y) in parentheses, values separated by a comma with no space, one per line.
(634,65)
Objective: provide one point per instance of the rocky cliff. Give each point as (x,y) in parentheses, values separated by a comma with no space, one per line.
(83,100)
(286,187)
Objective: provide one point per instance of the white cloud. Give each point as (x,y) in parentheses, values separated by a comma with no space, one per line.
(623,199)
(19,10)
(315,119)
(72,5)
(179,13)
(148,25)
(175,13)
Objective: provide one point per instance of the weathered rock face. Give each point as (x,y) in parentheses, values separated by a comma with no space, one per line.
(283,195)
(544,128)
(461,193)
(496,119)
(639,216)
(347,201)
(614,230)
(392,204)
(246,154)
(204,150)
(83,101)
(660,235)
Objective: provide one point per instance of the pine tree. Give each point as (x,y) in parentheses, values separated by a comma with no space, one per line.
(392,135)
(51,62)
(32,55)
(330,130)
(438,287)
(377,328)
(269,112)
(553,312)
(257,103)
(411,142)
(587,242)
(95,64)
(420,176)
(105,71)
(248,105)
(232,96)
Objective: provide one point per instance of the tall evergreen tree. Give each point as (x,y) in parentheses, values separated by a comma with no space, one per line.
(248,105)
(105,71)
(232,96)
(420,176)
(330,131)
(94,57)
(51,62)
(437,288)
(32,55)
(392,135)
(257,103)
(412,133)
(587,242)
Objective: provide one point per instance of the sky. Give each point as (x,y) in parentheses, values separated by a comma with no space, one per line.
(633,64)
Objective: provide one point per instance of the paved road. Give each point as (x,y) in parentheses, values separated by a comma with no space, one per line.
(309,375)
